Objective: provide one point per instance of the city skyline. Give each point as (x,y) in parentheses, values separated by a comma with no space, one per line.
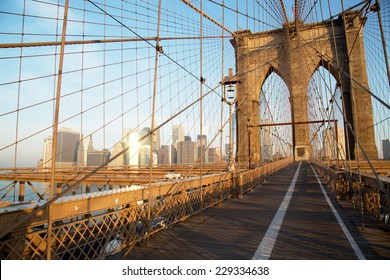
(108,87)
(83,153)
(206,123)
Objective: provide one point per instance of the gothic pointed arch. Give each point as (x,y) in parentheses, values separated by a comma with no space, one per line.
(296,58)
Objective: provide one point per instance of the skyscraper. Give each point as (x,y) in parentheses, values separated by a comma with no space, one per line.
(47,152)
(144,155)
(204,140)
(118,148)
(144,137)
(187,152)
(149,138)
(173,154)
(85,145)
(202,151)
(155,158)
(88,156)
(67,147)
(386,148)
(164,154)
(214,155)
(177,134)
(156,140)
(96,157)
(132,141)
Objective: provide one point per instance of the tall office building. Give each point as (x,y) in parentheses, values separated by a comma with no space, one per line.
(156,140)
(97,158)
(204,140)
(149,138)
(173,154)
(386,148)
(164,154)
(214,155)
(330,148)
(144,155)
(144,137)
(47,152)
(132,141)
(155,158)
(86,145)
(67,147)
(187,152)
(202,149)
(177,134)
(120,160)
(88,156)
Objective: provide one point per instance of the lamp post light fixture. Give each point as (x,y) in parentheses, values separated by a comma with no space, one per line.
(229,96)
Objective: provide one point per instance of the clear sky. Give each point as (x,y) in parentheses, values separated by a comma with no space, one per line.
(108,87)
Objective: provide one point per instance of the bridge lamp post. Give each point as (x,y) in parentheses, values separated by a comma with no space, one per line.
(230,97)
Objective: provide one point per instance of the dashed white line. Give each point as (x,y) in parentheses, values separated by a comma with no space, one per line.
(266,246)
(354,246)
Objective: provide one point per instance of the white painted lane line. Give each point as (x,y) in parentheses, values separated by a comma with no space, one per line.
(354,246)
(266,246)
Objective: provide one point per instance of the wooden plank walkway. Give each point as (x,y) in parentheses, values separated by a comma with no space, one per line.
(234,230)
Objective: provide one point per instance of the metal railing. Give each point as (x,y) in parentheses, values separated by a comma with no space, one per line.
(370,195)
(94,225)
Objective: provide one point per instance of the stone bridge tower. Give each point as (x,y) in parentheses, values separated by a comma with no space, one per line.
(295,52)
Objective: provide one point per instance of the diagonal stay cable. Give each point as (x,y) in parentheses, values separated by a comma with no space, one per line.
(341,13)
(200,79)
(344,72)
(92,172)
(241,13)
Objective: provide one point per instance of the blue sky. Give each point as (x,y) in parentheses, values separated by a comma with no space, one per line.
(100,92)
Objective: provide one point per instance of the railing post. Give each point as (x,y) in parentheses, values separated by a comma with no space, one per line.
(55,130)
(153,109)
(251,180)
(240,182)
(21,190)
(58,188)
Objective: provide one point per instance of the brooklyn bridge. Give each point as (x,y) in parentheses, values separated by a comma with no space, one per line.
(190,129)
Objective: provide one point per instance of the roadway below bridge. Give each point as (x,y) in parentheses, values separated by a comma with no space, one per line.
(292,215)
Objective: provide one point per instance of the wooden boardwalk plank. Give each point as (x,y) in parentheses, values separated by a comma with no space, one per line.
(235,230)
(310,229)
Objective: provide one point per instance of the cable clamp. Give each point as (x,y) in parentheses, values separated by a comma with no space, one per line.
(374,8)
(159,48)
